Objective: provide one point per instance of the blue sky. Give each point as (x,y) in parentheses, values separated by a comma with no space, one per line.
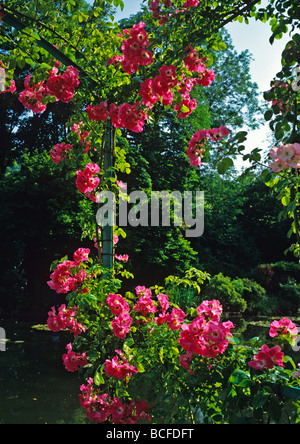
(266,63)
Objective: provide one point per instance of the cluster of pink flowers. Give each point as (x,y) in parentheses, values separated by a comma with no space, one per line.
(267,358)
(101,407)
(163,302)
(120,308)
(87,181)
(194,63)
(129,117)
(143,291)
(33,95)
(164,306)
(72,361)
(162,88)
(123,116)
(62,279)
(63,319)
(285,327)
(122,257)
(61,86)
(205,336)
(98,113)
(286,156)
(174,319)
(156,8)
(60,152)
(119,368)
(191,3)
(121,325)
(158,89)
(81,255)
(117,304)
(199,140)
(134,49)
(67,275)
(185,107)
(145,305)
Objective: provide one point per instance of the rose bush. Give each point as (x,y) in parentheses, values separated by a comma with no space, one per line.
(141,349)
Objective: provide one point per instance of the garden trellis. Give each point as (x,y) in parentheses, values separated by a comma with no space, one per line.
(108,156)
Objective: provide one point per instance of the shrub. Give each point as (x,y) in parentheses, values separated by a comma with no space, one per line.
(289,297)
(263,274)
(258,302)
(270,276)
(229,292)
(185,291)
(284,270)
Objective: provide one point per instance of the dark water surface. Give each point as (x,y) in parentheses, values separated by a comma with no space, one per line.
(35,388)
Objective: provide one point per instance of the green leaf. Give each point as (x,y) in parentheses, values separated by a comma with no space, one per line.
(260,399)
(285,201)
(129,342)
(21,64)
(292,207)
(239,377)
(268,115)
(140,367)
(241,136)
(224,165)
(98,378)
(288,359)
(184,109)
(161,355)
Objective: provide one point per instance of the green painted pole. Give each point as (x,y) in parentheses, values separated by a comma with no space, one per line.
(108,229)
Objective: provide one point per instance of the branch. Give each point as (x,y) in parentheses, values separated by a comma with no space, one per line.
(239,12)
(51,49)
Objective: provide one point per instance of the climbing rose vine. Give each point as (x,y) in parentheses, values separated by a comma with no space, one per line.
(62,87)
(127,344)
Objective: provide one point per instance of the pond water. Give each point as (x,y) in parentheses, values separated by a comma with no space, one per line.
(36,389)
(34,385)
